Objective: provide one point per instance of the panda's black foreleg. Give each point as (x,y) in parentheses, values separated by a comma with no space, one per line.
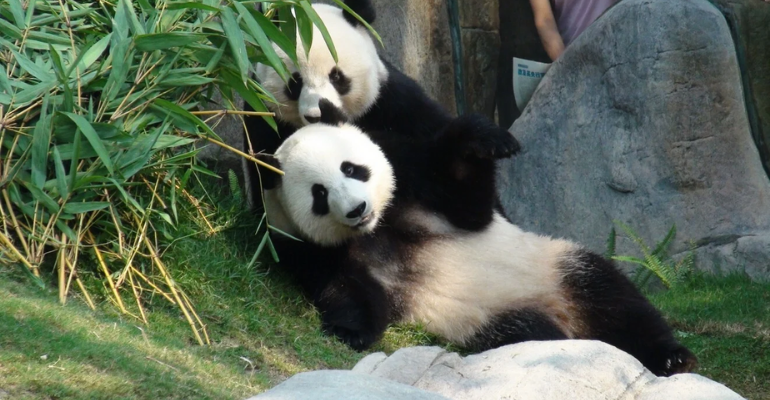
(515,326)
(355,309)
(615,312)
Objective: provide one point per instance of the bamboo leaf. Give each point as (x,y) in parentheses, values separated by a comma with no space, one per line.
(61,176)
(18,13)
(259,249)
(236,41)
(191,5)
(256,31)
(305,27)
(288,25)
(93,53)
(33,69)
(284,233)
(250,97)
(160,41)
(286,44)
(128,8)
(84,207)
(42,197)
(181,115)
(41,139)
(93,138)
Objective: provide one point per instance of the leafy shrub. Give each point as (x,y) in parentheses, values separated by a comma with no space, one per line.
(99,128)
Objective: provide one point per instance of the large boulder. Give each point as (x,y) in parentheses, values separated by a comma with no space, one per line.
(554,370)
(642,120)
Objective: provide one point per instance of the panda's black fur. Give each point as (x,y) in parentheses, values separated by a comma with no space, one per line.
(445,190)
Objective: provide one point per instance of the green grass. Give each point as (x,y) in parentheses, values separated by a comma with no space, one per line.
(726,322)
(263,331)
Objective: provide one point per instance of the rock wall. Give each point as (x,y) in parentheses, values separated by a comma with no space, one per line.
(749,21)
(643,120)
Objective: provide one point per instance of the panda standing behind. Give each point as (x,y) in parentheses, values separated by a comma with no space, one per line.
(361,88)
(436,252)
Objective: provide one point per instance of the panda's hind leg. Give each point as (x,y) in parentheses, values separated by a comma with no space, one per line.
(515,326)
(615,312)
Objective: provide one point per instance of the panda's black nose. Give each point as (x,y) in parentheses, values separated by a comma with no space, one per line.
(358,211)
(312,120)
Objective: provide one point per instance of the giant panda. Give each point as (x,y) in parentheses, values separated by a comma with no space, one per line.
(434,250)
(361,88)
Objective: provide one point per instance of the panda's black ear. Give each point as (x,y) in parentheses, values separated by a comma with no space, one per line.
(270,179)
(363,8)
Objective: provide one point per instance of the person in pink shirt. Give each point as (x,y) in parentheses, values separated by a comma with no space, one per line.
(559,22)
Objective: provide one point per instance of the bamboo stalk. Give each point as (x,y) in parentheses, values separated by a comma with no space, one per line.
(234,112)
(192,310)
(136,296)
(17,229)
(170,284)
(156,288)
(244,155)
(63,270)
(107,274)
(7,243)
(85,293)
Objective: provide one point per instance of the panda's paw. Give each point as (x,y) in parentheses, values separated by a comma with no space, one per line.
(358,340)
(478,137)
(679,361)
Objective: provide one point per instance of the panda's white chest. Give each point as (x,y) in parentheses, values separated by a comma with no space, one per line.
(468,278)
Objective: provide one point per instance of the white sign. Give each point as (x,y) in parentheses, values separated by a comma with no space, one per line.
(527,74)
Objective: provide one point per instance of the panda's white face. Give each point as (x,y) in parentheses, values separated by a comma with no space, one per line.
(322,90)
(336,184)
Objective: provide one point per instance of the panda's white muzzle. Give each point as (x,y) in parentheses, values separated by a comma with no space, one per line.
(310,99)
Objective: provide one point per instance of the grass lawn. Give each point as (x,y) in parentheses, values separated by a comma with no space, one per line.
(262,331)
(726,322)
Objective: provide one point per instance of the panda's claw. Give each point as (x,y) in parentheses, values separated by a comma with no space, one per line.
(358,340)
(679,361)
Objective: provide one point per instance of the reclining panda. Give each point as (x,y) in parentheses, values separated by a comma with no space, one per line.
(434,250)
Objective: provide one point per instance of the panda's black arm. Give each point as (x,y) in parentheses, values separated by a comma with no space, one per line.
(353,306)
(453,173)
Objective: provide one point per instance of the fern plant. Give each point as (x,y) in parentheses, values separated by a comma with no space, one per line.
(654,262)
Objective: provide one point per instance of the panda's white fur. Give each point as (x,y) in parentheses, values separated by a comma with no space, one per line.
(468,278)
(313,156)
(358,60)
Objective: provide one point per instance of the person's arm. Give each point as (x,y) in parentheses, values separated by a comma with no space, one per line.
(547,29)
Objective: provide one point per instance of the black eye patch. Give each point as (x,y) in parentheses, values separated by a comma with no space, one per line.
(340,82)
(355,171)
(320,200)
(294,87)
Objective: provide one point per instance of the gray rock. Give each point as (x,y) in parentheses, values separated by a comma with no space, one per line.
(230,129)
(748,20)
(642,120)
(555,370)
(338,385)
(407,365)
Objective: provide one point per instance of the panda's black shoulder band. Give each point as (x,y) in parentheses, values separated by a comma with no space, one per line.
(270,179)
(363,8)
